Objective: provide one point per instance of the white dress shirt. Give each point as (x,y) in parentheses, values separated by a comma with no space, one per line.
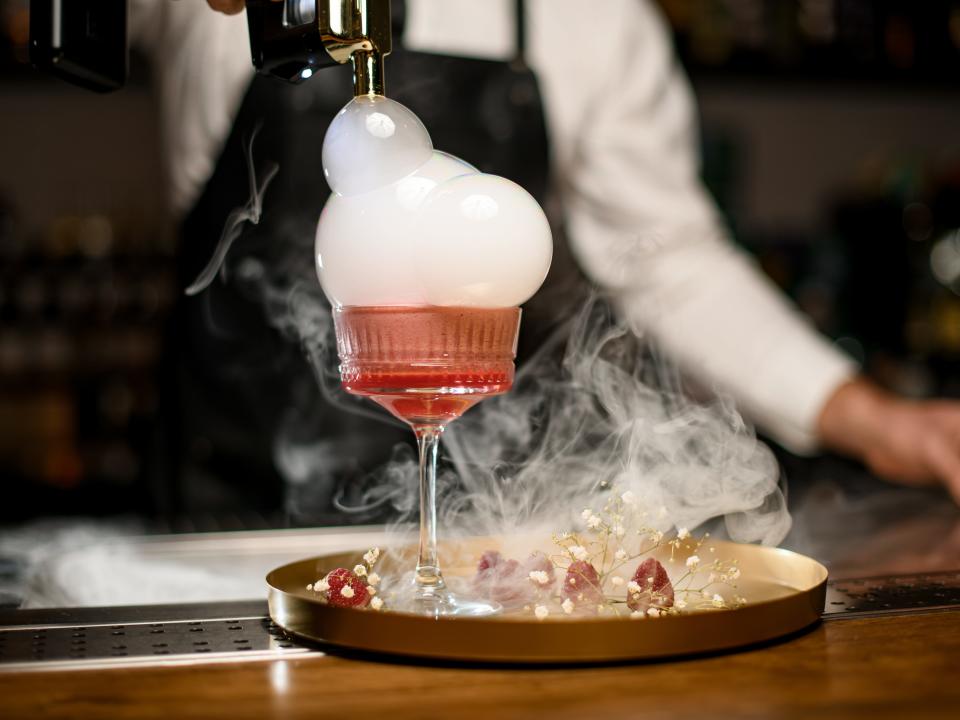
(623,138)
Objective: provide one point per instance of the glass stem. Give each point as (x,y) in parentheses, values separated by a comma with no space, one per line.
(428,577)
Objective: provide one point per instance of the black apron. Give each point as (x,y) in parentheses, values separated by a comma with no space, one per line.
(241,398)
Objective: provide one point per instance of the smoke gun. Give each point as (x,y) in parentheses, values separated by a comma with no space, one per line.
(85,41)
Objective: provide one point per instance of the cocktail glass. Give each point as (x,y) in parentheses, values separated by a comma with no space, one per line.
(427,366)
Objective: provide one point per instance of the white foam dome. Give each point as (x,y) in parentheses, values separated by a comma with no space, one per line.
(409,225)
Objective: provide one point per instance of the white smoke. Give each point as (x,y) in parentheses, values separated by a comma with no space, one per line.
(597,408)
(594,411)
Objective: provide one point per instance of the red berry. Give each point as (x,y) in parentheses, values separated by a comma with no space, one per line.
(491,558)
(656,589)
(582,583)
(338,580)
(499,579)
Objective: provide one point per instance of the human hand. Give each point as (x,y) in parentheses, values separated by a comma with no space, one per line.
(229,7)
(910,442)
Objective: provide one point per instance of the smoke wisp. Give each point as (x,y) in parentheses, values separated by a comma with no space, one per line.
(596,409)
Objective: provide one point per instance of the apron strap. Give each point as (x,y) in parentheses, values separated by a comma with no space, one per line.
(398,19)
(520,37)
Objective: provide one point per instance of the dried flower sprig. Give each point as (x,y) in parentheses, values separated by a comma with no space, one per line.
(620,536)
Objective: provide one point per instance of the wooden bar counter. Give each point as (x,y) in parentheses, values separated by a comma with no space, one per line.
(900,666)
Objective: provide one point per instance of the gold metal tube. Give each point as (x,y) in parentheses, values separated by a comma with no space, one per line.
(367,73)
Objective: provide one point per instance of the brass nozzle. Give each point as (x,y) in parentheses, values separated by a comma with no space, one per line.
(367,73)
(358,31)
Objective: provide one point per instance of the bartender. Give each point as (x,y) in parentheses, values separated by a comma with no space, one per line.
(619,116)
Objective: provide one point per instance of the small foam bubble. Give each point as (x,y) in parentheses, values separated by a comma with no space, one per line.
(371,143)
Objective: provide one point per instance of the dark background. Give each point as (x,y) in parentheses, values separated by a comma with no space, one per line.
(830,141)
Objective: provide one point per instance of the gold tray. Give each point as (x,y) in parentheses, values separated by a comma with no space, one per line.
(785,593)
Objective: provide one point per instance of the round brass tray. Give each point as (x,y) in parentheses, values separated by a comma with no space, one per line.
(784,591)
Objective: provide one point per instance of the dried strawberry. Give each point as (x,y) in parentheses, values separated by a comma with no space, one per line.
(345,589)
(500,579)
(491,558)
(582,583)
(655,590)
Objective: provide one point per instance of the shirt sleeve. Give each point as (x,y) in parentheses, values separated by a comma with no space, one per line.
(643,227)
(202,68)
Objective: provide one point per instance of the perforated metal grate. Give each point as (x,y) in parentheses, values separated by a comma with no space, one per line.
(893,594)
(122,643)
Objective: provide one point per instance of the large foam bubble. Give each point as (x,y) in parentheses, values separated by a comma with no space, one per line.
(410,225)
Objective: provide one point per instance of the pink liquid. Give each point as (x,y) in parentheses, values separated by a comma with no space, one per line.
(426,364)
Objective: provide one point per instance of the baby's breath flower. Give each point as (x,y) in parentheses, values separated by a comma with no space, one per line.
(347,591)
(371,556)
(637,614)
(360,570)
(680,603)
(541,611)
(653,612)
(567,606)
(619,530)
(734,573)
(693,561)
(321,586)
(373,579)
(620,555)
(539,576)
(717,600)
(616,580)
(628,498)
(682,533)
(578,552)
(633,587)
(586,514)
(656,536)
(309,586)
(593,522)
(376,603)
(371,590)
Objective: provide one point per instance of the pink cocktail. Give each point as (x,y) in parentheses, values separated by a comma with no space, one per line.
(427,366)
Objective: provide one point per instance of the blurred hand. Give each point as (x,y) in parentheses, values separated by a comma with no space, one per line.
(910,442)
(230,7)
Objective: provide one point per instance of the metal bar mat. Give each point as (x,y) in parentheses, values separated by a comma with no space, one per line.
(890,595)
(97,637)
(219,635)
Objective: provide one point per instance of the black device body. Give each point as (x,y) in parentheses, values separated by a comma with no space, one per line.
(285,38)
(85,41)
(82,41)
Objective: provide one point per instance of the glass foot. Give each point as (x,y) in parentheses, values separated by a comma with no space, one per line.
(442,602)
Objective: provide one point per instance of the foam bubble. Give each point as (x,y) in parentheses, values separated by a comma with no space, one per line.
(482,241)
(373,141)
(409,225)
(363,252)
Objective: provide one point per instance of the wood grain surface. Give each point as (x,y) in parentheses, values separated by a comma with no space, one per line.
(890,667)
